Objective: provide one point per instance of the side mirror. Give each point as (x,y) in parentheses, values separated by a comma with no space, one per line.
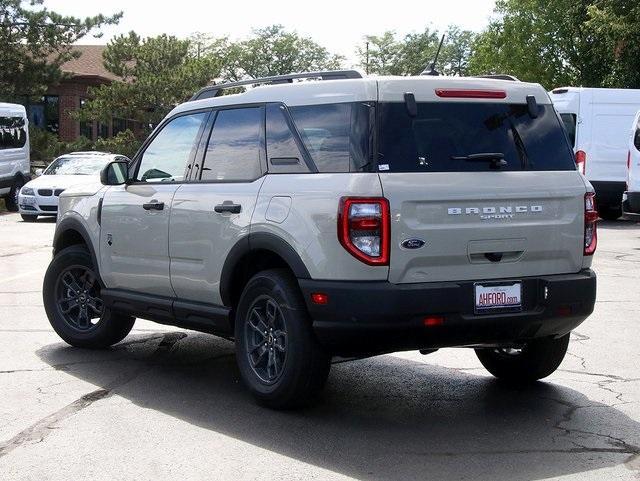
(39,172)
(115,173)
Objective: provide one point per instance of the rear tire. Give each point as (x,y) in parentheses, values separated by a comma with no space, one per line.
(29,218)
(71,294)
(280,360)
(536,360)
(11,201)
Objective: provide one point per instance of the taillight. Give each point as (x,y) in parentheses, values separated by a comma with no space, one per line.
(364,228)
(590,224)
(581,161)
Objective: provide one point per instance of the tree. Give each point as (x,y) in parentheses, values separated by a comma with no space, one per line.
(274,51)
(415,52)
(155,74)
(563,42)
(36,42)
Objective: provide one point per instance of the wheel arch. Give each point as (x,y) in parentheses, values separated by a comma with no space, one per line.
(70,232)
(251,254)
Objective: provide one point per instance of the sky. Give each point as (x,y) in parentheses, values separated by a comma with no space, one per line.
(338,25)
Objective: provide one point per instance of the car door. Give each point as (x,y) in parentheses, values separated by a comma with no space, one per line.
(212,213)
(134,252)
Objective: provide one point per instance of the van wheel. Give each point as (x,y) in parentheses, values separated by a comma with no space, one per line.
(279,357)
(71,294)
(610,213)
(29,218)
(11,201)
(535,360)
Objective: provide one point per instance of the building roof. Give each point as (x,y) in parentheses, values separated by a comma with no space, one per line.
(89,63)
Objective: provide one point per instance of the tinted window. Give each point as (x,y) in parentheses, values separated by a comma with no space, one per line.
(166,157)
(282,150)
(13,133)
(569,121)
(233,153)
(442,136)
(636,137)
(337,136)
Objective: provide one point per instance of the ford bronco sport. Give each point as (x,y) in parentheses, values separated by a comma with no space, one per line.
(327,214)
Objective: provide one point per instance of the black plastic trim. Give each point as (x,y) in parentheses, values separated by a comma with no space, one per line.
(197,316)
(72,224)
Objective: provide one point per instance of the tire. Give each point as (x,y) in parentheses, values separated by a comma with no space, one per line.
(304,365)
(610,213)
(11,201)
(29,218)
(106,328)
(534,361)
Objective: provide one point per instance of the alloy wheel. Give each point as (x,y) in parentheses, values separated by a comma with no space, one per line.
(78,298)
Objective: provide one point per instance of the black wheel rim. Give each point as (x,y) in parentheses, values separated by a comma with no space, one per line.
(78,298)
(266,339)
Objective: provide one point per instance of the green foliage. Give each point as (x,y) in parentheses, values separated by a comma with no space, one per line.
(156,74)
(415,52)
(35,43)
(274,51)
(593,43)
(46,146)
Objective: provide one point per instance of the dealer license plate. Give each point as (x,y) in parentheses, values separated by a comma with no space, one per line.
(507,296)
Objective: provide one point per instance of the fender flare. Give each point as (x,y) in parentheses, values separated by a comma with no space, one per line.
(259,241)
(68,224)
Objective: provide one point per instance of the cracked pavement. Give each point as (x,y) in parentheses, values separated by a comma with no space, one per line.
(168,403)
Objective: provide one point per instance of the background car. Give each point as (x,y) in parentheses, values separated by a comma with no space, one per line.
(40,196)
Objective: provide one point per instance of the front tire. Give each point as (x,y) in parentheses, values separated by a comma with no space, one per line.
(11,201)
(610,213)
(29,218)
(71,294)
(279,358)
(535,360)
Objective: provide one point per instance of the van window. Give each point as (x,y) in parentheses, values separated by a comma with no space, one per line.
(233,153)
(283,153)
(13,133)
(337,136)
(165,158)
(444,134)
(569,121)
(636,137)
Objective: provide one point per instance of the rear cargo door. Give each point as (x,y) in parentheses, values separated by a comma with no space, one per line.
(479,190)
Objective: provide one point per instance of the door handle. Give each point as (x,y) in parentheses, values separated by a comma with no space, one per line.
(228,206)
(153,206)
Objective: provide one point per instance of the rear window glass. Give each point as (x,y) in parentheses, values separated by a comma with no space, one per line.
(13,133)
(337,136)
(455,137)
(569,121)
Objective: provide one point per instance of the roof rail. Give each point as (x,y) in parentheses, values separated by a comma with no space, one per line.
(499,76)
(213,90)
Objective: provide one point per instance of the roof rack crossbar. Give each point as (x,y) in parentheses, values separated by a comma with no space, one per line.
(213,90)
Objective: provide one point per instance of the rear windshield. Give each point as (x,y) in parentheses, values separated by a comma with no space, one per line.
(569,121)
(456,137)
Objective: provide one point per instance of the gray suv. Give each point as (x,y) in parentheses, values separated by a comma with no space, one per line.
(326,214)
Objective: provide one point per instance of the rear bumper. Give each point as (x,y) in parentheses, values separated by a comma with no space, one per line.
(368,317)
(608,193)
(631,205)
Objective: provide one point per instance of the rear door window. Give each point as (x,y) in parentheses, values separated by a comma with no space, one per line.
(569,121)
(283,154)
(636,136)
(445,137)
(13,133)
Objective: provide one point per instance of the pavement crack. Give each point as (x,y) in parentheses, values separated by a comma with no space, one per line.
(37,432)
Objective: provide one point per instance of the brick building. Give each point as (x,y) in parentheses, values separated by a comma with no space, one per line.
(52,113)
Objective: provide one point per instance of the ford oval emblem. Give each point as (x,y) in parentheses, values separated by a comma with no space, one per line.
(412,243)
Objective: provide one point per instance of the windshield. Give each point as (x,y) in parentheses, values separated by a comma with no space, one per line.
(89,165)
(466,136)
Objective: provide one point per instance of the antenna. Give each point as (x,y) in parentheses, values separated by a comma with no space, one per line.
(432,70)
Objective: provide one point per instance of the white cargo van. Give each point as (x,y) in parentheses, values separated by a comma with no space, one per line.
(14,153)
(631,198)
(597,121)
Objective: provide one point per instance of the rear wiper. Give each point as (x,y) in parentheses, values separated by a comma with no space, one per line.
(495,158)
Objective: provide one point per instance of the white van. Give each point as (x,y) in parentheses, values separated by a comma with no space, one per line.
(14,153)
(597,121)
(631,198)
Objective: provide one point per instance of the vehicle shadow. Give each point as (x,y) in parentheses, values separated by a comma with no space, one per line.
(620,224)
(382,418)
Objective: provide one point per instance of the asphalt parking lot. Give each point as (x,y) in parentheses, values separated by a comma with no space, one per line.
(168,404)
